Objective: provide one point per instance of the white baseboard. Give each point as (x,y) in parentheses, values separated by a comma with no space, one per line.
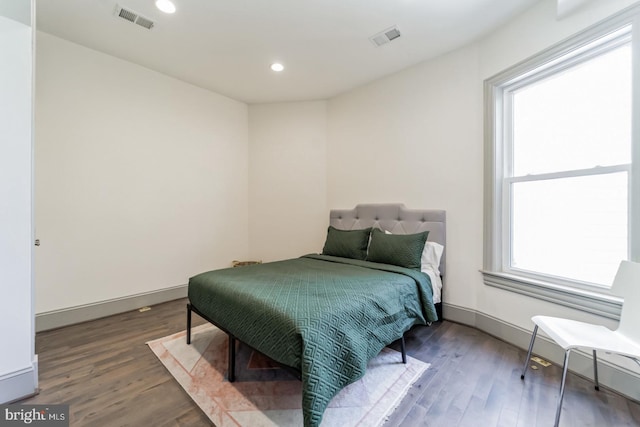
(82,313)
(19,384)
(614,377)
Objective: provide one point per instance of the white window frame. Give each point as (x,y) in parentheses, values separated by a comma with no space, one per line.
(496,272)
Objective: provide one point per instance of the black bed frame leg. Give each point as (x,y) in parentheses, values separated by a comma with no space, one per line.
(188,324)
(232,358)
(404,350)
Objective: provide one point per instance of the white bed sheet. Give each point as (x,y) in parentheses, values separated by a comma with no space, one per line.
(436,285)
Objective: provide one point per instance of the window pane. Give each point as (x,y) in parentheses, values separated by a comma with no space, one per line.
(574,228)
(577,119)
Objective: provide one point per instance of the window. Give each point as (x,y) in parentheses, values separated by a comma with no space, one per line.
(559,206)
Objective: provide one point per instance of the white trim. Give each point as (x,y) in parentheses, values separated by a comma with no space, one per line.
(19,384)
(598,170)
(573,43)
(493,166)
(591,302)
(610,375)
(82,313)
(585,51)
(634,187)
(32,274)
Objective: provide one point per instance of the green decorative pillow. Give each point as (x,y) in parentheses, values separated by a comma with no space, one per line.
(404,250)
(347,243)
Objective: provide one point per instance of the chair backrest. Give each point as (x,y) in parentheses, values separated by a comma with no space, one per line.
(627,285)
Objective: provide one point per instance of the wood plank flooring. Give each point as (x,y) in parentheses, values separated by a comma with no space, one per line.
(106,373)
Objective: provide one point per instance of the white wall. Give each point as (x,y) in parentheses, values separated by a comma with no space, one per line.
(141,179)
(18,364)
(288,213)
(416,137)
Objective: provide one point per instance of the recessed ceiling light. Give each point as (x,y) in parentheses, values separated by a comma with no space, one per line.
(166,6)
(277,67)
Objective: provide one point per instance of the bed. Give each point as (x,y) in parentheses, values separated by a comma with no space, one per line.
(324,316)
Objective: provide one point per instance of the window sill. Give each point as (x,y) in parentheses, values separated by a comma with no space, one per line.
(591,302)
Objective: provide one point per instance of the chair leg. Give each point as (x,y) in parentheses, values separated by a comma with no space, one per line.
(564,379)
(526,361)
(595,370)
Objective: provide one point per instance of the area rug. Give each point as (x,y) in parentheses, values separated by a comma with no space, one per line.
(265,395)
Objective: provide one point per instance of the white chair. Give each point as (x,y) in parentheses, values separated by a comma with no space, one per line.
(570,334)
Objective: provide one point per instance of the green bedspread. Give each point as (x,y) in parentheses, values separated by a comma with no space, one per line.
(325,316)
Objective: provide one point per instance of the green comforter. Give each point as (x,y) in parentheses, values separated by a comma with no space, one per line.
(325,316)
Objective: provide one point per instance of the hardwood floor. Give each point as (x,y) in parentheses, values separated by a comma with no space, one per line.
(106,373)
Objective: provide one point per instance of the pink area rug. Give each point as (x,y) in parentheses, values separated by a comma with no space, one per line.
(265,395)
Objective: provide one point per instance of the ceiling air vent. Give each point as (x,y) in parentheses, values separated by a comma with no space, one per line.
(133,17)
(384,37)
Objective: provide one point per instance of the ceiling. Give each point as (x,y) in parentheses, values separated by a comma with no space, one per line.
(227,46)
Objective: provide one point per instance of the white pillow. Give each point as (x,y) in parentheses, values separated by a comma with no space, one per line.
(431,256)
(430,265)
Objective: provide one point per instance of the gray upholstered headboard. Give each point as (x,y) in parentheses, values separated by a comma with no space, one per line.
(395,218)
